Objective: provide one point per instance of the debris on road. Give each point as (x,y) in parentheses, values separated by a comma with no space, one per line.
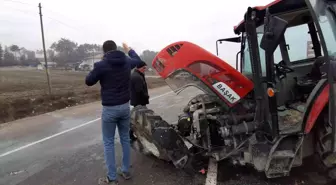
(17,172)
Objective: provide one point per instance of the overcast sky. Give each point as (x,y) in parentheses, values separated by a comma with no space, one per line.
(144,24)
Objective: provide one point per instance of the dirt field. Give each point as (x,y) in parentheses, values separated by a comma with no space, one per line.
(24,92)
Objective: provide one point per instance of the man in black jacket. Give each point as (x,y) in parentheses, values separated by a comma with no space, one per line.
(139,90)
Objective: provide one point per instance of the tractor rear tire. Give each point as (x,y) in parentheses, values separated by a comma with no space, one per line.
(323,146)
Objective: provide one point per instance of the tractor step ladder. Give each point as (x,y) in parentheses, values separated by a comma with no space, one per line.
(280,162)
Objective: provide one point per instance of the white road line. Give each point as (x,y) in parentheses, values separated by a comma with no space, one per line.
(159,96)
(47,138)
(211,178)
(63,132)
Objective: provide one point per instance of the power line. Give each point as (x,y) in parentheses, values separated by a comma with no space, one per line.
(20,10)
(23,11)
(61,22)
(49,17)
(49,10)
(24,3)
(54,19)
(54,12)
(64,24)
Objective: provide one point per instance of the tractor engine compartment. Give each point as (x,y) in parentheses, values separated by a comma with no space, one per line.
(214,130)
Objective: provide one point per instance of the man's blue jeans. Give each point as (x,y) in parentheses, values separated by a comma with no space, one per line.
(112,117)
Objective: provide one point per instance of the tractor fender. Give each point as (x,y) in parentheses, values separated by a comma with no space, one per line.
(316,102)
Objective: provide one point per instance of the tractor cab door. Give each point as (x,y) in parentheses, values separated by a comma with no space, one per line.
(324,15)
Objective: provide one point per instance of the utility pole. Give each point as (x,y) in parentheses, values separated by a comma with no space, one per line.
(44,50)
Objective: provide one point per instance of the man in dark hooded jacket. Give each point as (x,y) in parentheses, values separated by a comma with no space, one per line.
(114,73)
(139,90)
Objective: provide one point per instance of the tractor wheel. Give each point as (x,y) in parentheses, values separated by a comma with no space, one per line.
(326,160)
(142,121)
(157,137)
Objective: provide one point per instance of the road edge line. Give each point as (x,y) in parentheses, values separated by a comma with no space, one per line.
(47,138)
(63,132)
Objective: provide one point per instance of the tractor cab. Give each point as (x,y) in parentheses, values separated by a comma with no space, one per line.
(288,60)
(298,62)
(288,49)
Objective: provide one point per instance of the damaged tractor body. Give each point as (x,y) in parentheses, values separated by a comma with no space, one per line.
(276,110)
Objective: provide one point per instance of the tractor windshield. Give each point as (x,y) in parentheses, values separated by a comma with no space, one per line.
(298,43)
(247,68)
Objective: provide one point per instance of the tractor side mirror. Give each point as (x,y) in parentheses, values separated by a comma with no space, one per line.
(220,42)
(275,28)
(237,60)
(230,40)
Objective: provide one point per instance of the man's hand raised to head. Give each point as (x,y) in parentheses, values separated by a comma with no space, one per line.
(126,47)
(135,59)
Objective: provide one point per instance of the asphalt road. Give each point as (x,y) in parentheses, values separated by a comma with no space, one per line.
(65,147)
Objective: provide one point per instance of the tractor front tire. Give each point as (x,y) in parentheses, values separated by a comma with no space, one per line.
(142,121)
(158,137)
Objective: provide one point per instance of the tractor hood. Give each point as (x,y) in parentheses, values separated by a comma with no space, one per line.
(184,64)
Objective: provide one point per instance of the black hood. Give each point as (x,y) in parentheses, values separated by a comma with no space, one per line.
(115,57)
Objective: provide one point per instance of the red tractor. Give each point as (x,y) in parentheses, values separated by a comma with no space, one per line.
(277,109)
